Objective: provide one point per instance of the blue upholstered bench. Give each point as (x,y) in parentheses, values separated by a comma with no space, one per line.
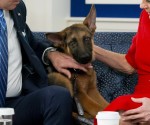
(111,83)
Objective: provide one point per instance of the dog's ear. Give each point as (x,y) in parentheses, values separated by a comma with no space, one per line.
(56,38)
(90,20)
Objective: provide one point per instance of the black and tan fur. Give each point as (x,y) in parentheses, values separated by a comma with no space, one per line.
(77,42)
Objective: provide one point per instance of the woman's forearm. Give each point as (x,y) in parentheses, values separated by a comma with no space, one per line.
(113,59)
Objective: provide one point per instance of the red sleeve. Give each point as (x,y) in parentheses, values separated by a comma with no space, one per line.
(130,56)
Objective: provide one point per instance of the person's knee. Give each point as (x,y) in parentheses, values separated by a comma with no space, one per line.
(57,94)
(57,99)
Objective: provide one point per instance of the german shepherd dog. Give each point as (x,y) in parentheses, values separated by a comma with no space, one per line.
(77,42)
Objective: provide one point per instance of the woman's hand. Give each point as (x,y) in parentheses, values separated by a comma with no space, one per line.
(62,62)
(140,114)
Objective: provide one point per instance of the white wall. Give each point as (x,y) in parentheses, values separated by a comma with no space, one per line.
(47,15)
(54,15)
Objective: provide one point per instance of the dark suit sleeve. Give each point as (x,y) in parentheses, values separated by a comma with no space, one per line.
(38,44)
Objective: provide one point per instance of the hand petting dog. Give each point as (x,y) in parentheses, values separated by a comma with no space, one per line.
(62,62)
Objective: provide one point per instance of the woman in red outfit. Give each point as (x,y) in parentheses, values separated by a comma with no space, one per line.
(137,59)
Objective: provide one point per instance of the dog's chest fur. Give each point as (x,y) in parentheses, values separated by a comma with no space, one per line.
(81,80)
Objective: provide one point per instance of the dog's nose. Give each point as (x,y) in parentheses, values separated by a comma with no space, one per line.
(85,58)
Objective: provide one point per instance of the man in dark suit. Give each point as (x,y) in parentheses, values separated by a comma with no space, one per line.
(35,102)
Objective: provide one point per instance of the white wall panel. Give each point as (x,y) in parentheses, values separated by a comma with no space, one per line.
(47,15)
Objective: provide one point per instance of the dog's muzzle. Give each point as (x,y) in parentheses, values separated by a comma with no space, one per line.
(85,58)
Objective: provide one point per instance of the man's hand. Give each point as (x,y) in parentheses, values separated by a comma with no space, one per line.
(62,62)
(140,114)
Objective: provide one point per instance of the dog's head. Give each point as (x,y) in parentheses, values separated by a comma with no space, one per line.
(77,40)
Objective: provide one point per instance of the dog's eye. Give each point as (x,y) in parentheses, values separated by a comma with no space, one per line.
(87,39)
(148,1)
(73,43)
